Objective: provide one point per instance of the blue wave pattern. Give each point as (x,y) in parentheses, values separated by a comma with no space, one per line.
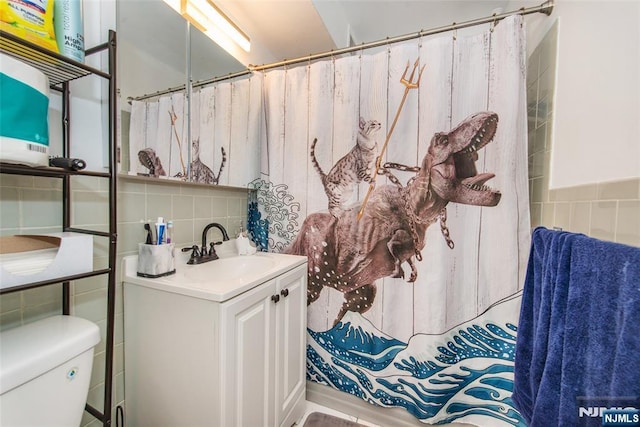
(468,372)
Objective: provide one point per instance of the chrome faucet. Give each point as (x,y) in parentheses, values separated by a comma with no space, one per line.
(204,254)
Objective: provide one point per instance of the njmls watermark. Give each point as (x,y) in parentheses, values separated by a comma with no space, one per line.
(609,411)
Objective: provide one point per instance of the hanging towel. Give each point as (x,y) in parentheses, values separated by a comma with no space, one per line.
(578,344)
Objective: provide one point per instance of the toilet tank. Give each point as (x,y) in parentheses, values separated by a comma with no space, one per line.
(45,371)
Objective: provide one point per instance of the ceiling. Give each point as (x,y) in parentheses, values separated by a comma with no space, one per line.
(286,29)
(283,29)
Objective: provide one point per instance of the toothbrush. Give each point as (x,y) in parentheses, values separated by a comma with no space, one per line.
(160,225)
(149,234)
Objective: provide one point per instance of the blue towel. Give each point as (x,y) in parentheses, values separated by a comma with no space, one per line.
(578,343)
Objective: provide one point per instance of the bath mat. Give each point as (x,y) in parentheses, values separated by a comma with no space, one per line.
(318,419)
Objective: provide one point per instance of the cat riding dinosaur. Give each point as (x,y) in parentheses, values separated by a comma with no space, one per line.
(349,255)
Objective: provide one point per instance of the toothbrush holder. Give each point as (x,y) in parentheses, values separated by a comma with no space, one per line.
(156,260)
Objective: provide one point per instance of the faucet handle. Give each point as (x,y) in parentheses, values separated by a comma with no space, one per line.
(212,250)
(193,248)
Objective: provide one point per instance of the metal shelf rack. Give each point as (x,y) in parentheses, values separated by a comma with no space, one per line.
(61,71)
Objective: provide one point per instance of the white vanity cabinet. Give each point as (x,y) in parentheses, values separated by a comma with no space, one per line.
(192,361)
(264,347)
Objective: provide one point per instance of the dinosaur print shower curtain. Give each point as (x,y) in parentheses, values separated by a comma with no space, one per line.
(416,261)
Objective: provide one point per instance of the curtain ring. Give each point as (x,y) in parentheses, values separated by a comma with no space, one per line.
(455,31)
(493,23)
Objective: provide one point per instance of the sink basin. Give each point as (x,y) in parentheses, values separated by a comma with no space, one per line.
(217,280)
(225,269)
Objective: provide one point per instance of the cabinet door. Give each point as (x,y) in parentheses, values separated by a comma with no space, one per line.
(291,334)
(248,342)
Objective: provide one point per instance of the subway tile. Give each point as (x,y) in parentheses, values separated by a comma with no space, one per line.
(545,186)
(549,135)
(91,305)
(182,207)
(41,208)
(118,336)
(540,143)
(158,205)
(10,207)
(95,398)
(131,207)
(47,183)
(536,190)
(97,373)
(603,220)
(100,262)
(580,217)
(90,284)
(541,116)
(562,217)
(118,386)
(545,86)
(100,247)
(202,207)
(119,302)
(538,164)
(87,183)
(42,311)
(574,194)
(531,118)
(628,222)
(131,186)
(531,134)
(129,235)
(162,187)
(90,208)
(43,295)
(10,231)
(548,213)
(186,232)
(219,207)
(196,190)
(236,206)
(10,319)
(22,181)
(619,190)
(10,302)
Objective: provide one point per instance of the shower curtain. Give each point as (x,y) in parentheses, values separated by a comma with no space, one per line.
(414,301)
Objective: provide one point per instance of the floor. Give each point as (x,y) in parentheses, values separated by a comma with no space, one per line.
(314,407)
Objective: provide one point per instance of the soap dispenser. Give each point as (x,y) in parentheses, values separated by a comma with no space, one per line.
(242,242)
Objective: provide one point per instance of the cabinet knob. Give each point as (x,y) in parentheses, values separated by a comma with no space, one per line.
(284,292)
(275,298)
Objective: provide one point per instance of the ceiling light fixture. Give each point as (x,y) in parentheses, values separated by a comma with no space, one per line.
(208,18)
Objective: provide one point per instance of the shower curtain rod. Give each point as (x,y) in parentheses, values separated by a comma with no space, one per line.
(546,8)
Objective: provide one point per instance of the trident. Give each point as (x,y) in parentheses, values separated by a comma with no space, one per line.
(408,86)
(172,115)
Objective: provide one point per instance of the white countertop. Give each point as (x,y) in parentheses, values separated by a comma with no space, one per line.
(218,280)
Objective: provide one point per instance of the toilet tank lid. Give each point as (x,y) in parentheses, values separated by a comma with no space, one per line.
(33,349)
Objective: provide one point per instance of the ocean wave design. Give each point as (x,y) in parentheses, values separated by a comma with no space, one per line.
(464,375)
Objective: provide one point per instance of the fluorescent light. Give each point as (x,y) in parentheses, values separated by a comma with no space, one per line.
(206,16)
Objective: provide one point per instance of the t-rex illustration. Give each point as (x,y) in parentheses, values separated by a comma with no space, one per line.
(350,255)
(151,161)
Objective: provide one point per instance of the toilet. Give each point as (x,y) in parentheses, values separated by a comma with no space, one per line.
(45,371)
